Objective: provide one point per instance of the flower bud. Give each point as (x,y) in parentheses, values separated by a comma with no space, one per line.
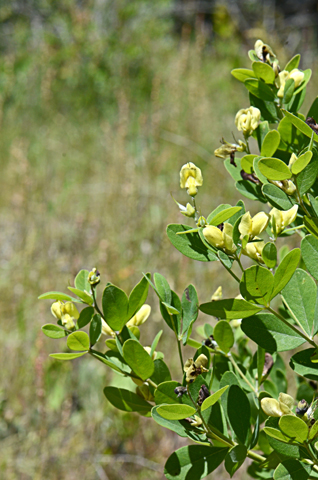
(283,218)
(94,277)
(217,295)
(189,211)
(297,76)
(286,403)
(190,178)
(283,76)
(246,120)
(56,309)
(68,321)
(194,369)
(201,222)
(264,52)
(148,350)
(302,408)
(196,422)
(292,160)
(140,317)
(271,407)
(214,236)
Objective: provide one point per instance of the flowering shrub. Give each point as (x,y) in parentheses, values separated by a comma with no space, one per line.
(230,400)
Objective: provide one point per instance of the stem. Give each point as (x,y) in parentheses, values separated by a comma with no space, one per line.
(153,384)
(301,200)
(180,354)
(95,303)
(294,228)
(256,456)
(239,262)
(230,272)
(178,341)
(235,365)
(292,327)
(210,430)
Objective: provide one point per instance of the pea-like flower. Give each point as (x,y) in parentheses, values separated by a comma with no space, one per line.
(264,52)
(229,149)
(283,76)
(94,277)
(282,218)
(191,178)
(278,408)
(253,226)
(254,250)
(246,120)
(140,317)
(66,312)
(194,368)
(217,295)
(286,185)
(106,330)
(222,239)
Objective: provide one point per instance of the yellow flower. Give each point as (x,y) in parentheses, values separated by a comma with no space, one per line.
(68,321)
(246,120)
(220,238)
(217,295)
(286,185)
(56,309)
(283,218)
(69,308)
(148,350)
(264,52)
(292,160)
(194,369)
(253,226)
(190,178)
(140,317)
(283,76)
(254,250)
(94,276)
(277,408)
(106,330)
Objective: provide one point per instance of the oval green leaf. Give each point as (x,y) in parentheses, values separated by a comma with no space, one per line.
(257,284)
(292,469)
(81,281)
(82,295)
(274,169)
(138,359)
(176,411)
(78,341)
(127,401)
(54,331)
(269,254)
(294,428)
(309,251)
(276,197)
(224,215)
(190,244)
(263,71)
(212,399)
(223,335)
(270,143)
(66,356)
(95,329)
(230,308)
(301,163)
(242,74)
(58,296)
(285,270)
(115,307)
(259,89)
(301,363)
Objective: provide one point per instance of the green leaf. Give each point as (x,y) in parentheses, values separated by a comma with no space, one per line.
(212,399)
(301,363)
(257,171)
(269,254)
(268,109)
(309,252)
(138,296)
(285,270)
(307,177)
(257,284)
(312,225)
(181,428)
(95,329)
(274,169)
(271,333)
(250,190)
(126,400)
(176,411)
(164,393)
(300,125)
(155,343)
(190,310)
(296,101)
(307,75)
(294,427)
(112,359)
(161,372)
(247,162)
(170,309)
(189,244)
(223,335)
(138,359)
(293,140)
(82,295)
(293,63)
(314,204)
(194,462)
(270,142)
(57,296)
(239,412)
(300,297)
(66,356)
(233,170)
(259,89)
(242,74)
(224,215)
(263,71)
(235,457)
(276,197)
(115,307)
(54,331)
(292,470)
(85,317)
(313,111)
(230,308)
(173,320)
(277,434)
(163,288)
(78,341)
(81,281)
(301,163)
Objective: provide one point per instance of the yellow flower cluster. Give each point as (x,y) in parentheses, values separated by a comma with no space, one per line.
(222,239)
(277,408)
(66,312)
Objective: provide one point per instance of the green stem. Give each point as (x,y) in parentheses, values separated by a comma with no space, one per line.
(239,262)
(178,341)
(255,456)
(211,433)
(235,365)
(230,272)
(180,354)
(294,228)
(292,327)
(153,384)
(300,200)
(95,302)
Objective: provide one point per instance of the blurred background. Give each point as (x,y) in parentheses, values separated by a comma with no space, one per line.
(101,103)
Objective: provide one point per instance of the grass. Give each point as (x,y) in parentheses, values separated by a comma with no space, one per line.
(84,187)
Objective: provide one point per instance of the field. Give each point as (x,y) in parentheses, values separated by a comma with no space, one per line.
(94,130)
